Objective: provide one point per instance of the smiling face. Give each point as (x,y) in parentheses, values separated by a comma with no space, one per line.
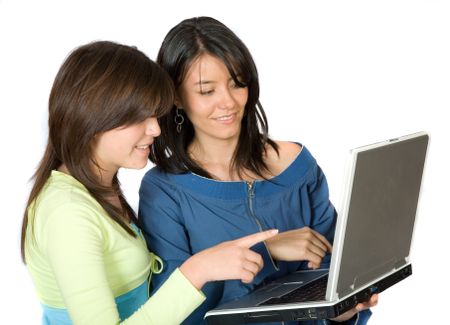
(127,146)
(212,101)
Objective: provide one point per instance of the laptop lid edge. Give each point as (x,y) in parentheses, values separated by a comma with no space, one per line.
(341,225)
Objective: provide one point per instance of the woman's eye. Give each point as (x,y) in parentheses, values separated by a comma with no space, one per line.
(241,85)
(207,91)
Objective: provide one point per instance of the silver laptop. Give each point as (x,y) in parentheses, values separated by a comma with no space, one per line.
(371,246)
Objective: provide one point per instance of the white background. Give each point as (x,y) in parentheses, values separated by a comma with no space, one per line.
(334,75)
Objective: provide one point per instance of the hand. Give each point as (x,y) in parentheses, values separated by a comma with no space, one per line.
(302,244)
(359,307)
(230,260)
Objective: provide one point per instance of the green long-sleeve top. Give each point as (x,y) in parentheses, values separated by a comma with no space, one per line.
(81,261)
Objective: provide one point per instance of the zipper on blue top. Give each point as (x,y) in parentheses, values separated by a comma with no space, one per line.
(251,197)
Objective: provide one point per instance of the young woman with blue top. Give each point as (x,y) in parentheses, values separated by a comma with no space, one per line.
(81,240)
(219,176)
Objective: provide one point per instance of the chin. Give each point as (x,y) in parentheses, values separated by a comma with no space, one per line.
(227,133)
(230,135)
(138,165)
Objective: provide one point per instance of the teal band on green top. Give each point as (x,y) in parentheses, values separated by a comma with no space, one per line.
(127,304)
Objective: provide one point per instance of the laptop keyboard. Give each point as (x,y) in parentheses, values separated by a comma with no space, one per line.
(313,291)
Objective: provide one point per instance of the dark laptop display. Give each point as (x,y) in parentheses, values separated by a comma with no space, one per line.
(372,241)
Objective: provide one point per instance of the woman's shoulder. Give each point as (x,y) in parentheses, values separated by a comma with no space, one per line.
(156,173)
(158,178)
(64,205)
(288,149)
(62,191)
(287,153)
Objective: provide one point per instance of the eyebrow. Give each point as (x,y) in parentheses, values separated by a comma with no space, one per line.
(205,82)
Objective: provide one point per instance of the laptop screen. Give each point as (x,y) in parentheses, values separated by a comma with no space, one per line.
(381,211)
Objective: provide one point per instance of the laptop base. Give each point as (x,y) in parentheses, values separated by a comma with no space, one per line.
(297,312)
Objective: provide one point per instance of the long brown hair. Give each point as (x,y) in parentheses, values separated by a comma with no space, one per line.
(100,86)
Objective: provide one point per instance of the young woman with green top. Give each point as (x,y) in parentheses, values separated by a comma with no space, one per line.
(81,240)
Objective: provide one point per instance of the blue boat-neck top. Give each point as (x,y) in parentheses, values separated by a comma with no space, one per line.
(182,214)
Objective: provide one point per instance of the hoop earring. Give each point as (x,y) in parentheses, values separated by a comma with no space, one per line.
(179,119)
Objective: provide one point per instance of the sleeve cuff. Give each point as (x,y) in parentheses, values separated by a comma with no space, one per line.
(180,284)
(270,265)
(174,301)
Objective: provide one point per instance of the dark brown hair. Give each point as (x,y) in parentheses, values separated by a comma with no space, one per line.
(181,47)
(100,86)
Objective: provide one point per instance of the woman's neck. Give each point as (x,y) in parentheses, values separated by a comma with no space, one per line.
(63,169)
(215,156)
(213,151)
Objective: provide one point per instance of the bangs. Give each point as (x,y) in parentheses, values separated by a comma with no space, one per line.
(240,67)
(241,75)
(144,92)
(238,70)
(159,93)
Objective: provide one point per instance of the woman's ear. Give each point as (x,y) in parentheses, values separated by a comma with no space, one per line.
(177,102)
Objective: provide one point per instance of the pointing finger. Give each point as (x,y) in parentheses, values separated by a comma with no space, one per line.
(250,240)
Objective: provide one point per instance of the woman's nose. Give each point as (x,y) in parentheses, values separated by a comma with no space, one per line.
(226,100)
(152,127)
